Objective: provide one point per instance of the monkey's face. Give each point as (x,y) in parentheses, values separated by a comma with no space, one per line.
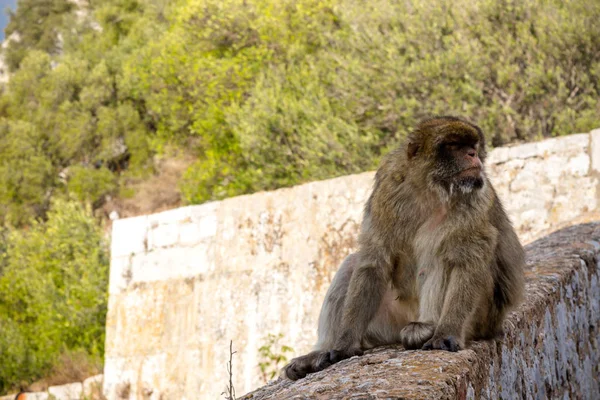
(448,153)
(458,162)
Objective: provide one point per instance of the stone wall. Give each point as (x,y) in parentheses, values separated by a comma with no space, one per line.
(185,282)
(550,350)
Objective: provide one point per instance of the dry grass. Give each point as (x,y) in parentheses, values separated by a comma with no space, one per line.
(74,366)
(157,193)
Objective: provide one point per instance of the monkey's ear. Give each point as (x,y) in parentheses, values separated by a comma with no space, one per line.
(412,149)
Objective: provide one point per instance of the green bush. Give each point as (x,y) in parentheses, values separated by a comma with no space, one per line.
(522,70)
(273,93)
(90,184)
(37,24)
(53,293)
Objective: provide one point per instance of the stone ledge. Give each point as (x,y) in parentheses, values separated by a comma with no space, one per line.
(551,348)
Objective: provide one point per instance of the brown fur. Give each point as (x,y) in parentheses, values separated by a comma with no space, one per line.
(438,261)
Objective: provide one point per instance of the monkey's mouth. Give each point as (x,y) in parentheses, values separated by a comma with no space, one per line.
(472,171)
(469,179)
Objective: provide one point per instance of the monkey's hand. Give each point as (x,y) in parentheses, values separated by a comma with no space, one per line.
(446,342)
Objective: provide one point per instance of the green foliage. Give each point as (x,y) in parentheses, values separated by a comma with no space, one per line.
(90,184)
(53,292)
(273,93)
(25,172)
(37,24)
(522,70)
(272,356)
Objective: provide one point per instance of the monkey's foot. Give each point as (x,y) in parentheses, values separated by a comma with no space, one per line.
(339,355)
(448,343)
(317,361)
(415,334)
(299,367)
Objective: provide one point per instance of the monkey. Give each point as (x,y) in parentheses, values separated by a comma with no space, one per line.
(438,262)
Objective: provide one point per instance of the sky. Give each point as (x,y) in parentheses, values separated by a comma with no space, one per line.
(3,17)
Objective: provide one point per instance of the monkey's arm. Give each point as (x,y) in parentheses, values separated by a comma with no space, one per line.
(467,266)
(365,293)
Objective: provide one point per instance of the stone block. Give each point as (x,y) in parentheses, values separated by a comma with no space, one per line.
(164,235)
(579,165)
(118,376)
(524,151)
(498,155)
(595,150)
(503,174)
(120,273)
(129,236)
(34,396)
(199,229)
(203,210)
(530,177)
(567,205)
(70,391)
(568,144)
(168,217)
(172,263)
(92,387)
(565,144)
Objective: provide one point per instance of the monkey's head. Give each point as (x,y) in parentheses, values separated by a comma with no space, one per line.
(449,153)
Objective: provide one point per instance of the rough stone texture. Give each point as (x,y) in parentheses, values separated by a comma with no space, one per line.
(551,347)
(92,387)
(185,282)
(70,391)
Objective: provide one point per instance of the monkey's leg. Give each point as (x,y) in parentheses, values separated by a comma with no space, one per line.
(330,321)
(431,288)
(369,283)
(464,290)
(394,313)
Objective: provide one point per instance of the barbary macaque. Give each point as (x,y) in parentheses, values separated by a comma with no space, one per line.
(438,261)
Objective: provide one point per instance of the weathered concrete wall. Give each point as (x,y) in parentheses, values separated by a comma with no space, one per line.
(551,347)
(185,282)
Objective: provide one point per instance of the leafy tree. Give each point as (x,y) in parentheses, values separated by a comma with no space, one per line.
(271,93)
(37,24)
(53,292)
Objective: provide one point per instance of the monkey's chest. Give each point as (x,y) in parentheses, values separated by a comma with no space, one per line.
(429,282)
(426,247)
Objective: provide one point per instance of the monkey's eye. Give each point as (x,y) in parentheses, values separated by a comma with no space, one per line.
(453,145)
